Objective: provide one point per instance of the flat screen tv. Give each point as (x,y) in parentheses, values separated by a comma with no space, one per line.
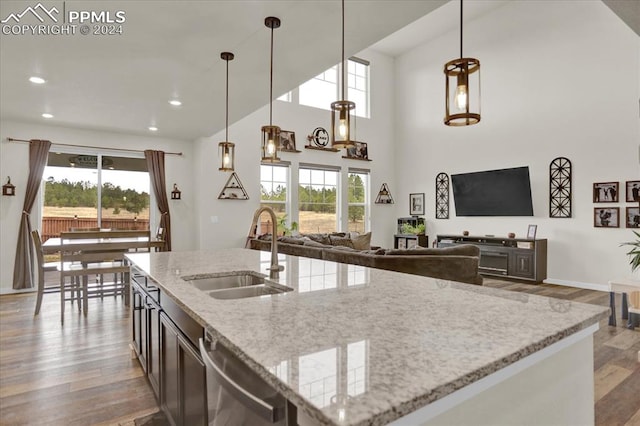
(504,192)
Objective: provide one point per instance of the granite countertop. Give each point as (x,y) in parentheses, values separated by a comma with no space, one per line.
(354,345)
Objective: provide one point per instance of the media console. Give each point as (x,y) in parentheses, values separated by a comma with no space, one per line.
(518,258)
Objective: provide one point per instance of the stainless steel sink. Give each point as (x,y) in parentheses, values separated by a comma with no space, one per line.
(244,279)
(236,285)
(252,291)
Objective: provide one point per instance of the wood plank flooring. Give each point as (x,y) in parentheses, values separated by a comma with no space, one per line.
(84,374)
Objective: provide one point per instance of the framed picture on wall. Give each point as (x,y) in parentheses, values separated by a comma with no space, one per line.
(606,217)
(531,232)
(633,217)
(416,204)
(633,191)
(287,141)
(605,192)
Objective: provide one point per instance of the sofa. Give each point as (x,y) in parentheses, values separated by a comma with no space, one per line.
(456,263)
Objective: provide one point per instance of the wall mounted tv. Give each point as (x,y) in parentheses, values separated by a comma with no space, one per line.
(504,192)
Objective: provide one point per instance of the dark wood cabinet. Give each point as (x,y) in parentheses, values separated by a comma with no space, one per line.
(164,339)
(169,384)
(518,258)
(183,377)
(407,241)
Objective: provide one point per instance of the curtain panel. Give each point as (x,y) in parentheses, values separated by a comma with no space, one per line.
(23,270)
(155,165)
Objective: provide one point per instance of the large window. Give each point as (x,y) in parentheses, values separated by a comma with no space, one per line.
(323,89)
(358,201)
(317,199)
(274,184)
(94,191)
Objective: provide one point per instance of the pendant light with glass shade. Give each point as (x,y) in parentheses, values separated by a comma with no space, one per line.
(341,134)
(271,133)
(226,149)
(462,89)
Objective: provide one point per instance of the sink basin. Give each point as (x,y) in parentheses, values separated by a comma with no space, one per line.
(236,285)
(250,291)
(244,279)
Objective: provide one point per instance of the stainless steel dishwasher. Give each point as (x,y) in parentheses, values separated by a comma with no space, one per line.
(237,396)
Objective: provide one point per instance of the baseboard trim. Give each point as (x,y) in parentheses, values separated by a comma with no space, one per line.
(4,291)
(578,284)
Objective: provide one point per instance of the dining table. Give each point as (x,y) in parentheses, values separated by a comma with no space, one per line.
(54,245)
(103,241)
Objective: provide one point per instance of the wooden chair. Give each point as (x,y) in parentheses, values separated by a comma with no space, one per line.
(42,268)
(97,253)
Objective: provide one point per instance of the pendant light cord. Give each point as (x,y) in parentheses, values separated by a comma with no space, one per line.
(226,134)
(271,81)
(344,71)
(461,28)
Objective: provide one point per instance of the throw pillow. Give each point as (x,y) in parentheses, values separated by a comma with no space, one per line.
(291,240)
(311,243)
(319,238)
(362,242)
(341,241)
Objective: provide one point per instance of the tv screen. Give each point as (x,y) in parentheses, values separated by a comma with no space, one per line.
(504,192)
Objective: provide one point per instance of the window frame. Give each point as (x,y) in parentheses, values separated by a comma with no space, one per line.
(367,198)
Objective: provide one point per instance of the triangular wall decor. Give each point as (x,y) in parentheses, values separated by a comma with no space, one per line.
(233,189)
(384,195)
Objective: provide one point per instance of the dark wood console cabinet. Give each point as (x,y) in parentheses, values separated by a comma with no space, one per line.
(518,258)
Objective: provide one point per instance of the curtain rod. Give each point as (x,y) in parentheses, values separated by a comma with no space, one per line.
(87,146)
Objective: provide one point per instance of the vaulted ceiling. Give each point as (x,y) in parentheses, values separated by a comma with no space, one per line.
(171,50)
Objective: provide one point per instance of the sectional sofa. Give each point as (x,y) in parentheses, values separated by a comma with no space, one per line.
(457,263)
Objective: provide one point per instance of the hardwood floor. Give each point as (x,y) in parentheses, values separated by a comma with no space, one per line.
(83,373)
(79,374)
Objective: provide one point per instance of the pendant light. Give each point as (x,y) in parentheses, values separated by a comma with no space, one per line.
(271,133)
(341,135)
(462,89)
(226,149)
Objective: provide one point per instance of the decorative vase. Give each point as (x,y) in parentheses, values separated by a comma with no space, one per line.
(465,233)
(511,235)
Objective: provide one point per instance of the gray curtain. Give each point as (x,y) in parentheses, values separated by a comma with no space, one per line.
(23,270)
(155,165)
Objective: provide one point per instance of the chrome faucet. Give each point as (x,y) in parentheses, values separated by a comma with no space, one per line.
(274,270)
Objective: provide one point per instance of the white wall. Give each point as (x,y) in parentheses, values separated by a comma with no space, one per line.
(558,79)
(14,162)
(225,223)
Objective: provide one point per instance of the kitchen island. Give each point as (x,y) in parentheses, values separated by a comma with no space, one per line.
(350,345)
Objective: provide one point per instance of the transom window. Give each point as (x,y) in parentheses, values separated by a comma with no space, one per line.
(323,89)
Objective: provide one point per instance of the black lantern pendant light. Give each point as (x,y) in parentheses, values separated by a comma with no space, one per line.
(341,135)
(271,133)
(226,149)
(462,95)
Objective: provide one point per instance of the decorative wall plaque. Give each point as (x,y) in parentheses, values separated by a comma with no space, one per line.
(560,188)
(442,196)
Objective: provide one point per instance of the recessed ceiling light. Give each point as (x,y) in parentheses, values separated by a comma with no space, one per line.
(47,115)
(175,102)
(37,80)
(153,128)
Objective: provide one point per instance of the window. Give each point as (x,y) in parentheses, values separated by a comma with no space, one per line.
(323,89)
(358,200)
(94,191)
(317,195)
(274,183)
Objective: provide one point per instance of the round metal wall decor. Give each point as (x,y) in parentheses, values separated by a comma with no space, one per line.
(320,137)
(442,196)
(560,188)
